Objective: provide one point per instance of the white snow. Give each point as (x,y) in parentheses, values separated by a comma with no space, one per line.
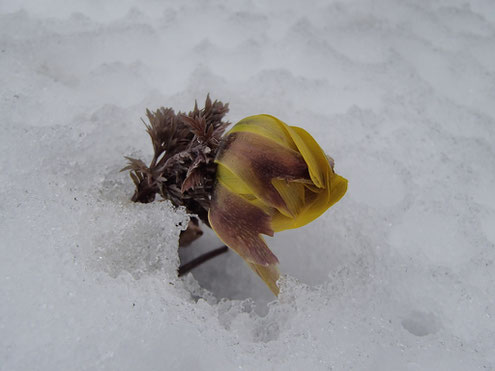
(399,275)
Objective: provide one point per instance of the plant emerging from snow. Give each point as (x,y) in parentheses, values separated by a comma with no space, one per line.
(262,177)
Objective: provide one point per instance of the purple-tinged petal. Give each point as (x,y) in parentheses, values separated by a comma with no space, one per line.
(238,223)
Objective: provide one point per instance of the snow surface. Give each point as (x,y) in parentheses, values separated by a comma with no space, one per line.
(399,275)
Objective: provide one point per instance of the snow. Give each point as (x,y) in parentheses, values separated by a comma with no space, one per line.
(399,275)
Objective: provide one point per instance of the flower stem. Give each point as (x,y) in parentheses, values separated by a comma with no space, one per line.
(187,267)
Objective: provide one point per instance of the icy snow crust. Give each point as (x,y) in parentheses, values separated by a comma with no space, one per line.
(397,276)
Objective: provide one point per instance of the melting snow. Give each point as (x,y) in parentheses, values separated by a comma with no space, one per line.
(399,275)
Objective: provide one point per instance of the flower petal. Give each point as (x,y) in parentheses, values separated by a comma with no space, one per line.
(312,153)
(232,181)
(269,275)
(293,194)
(315,205)
(336,189)
(257,160)
(239,224)
(267,126)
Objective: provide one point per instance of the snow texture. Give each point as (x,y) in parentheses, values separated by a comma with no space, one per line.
(399,275)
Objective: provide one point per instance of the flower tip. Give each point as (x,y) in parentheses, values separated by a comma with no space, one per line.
(269,274)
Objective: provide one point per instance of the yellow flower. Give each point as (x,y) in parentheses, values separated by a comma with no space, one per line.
(270,177)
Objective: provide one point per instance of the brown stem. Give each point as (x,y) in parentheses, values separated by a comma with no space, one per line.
(185,268)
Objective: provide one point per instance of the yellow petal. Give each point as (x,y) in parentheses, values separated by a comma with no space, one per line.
(312,153)
(256,161)
(232,181)
(316,204)
(292,137)
(293,194)
(337,188)
(267,126)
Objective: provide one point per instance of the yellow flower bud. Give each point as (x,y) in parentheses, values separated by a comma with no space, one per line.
(270,177)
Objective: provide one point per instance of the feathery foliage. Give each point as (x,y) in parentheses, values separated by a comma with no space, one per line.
(182,169)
